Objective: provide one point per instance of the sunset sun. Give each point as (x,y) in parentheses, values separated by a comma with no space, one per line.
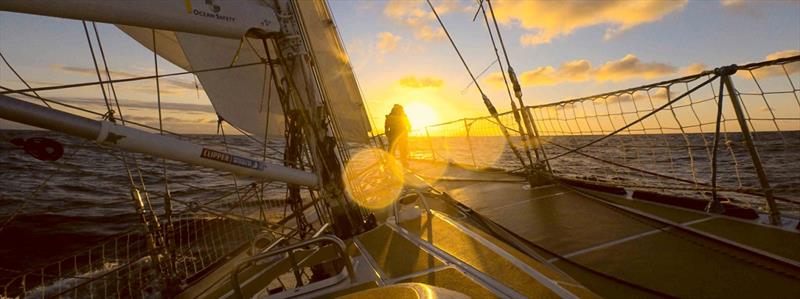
(420,115)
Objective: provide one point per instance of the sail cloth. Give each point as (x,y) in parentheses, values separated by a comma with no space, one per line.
(244,96)
(334,69)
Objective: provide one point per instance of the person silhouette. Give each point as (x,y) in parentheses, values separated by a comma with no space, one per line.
(396,128)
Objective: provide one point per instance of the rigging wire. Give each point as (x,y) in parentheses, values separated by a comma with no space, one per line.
(140,78)
(530,124)
(634,122)
(268,91)
(167,193)
(108,72)
(486,69)
(486,101)
(497,55)
(200,141)
(510,99)
(306,152)
(20,77)
(97,69)
(110,116)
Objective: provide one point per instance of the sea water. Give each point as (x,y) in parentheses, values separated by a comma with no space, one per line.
(49,210)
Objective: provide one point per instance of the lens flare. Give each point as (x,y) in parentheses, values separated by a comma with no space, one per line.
(373,178)
(420,115)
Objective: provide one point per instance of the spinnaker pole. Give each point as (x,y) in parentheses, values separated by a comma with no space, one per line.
(134,140)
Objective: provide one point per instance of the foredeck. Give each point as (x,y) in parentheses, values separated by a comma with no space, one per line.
(619,247)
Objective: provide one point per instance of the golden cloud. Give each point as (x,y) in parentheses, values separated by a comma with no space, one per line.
(544,75)
(169,85)
(631,67)
(387,42)
(576,70)
(421,82)
(654,96)
(552,19)
(185,108)
(694,69)
(581,70)
(416,15)
(731,2)
(776,70)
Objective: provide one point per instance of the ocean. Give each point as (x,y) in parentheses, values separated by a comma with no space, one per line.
(85,197)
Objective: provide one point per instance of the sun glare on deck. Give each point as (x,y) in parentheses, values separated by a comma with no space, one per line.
(373,178)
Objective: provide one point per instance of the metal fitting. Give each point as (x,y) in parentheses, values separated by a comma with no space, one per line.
(726,70)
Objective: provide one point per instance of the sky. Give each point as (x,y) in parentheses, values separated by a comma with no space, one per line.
(400,55)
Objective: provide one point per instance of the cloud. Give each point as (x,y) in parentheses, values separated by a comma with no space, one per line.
(546,20)
(631,67)
(429,33)
(149,120)
(365,6)
(741,7)
(581,70)
(575,71)
(417,16)
(168,85)
(783,54)
(694,69)
(545,75)
(776,70)
(134,104)
(420,82)
(92,72)
(655,96)
(731,2)
(387,42)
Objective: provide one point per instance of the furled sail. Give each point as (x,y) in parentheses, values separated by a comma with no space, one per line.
(246,96)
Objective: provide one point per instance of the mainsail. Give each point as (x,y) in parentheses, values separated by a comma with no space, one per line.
(246,97)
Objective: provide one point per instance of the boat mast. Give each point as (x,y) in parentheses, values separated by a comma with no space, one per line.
(304,98)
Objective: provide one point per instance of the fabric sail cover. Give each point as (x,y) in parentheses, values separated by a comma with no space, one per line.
(246,97)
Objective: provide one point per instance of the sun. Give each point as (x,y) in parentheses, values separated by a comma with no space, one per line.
(420,115)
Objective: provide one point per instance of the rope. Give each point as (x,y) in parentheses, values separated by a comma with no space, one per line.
(634,122)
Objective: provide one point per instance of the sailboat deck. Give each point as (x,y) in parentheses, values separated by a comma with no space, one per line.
(595,238)
(433,249)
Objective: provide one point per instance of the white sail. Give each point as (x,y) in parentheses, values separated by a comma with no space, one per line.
(244,96)
(235,93)
(333,66)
